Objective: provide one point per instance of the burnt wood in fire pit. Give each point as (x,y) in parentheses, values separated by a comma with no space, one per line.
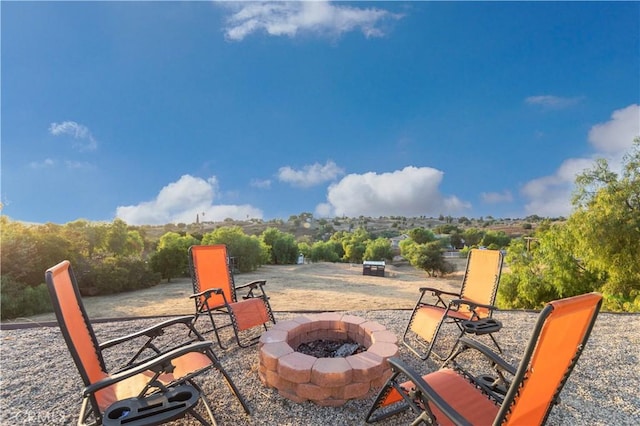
(330,348)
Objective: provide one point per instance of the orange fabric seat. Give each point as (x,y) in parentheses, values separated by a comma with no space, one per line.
(151,372)
(215,294)
(436,307)
(522,395)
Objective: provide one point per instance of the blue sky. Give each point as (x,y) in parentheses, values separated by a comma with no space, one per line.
(155,112)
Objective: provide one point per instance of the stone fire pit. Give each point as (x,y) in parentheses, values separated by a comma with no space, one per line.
(325,381)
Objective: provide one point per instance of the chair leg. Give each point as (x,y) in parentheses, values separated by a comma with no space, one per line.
(215,330)
(230,383)
(207,408)
(495,342)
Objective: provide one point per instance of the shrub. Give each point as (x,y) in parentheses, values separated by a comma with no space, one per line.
(20,300)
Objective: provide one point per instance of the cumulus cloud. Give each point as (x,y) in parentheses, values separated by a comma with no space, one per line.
(262,184)
(551,195)
(291,18)
(82,137)
(310,175)
(412,191)
(552,101)
(615,136)
(181,201)
(47,162)
(496,197)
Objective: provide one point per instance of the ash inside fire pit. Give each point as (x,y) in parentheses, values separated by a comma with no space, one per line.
(330,348)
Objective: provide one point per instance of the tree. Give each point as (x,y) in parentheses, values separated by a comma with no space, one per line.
(606,227)
(596,249)
(354,244)
(378,249)
(117,234)
(169,262)
(428,257)
(472,236)
(171,257)
(498,239)
(421,235)
(325,251)
(544,271)
(249,251)
(283,248)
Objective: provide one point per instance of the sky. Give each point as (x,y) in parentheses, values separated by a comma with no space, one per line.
(164,112)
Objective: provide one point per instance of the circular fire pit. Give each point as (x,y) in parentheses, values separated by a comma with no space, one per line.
(326,381)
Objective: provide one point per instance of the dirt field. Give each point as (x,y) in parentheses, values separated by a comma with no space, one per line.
(309,287)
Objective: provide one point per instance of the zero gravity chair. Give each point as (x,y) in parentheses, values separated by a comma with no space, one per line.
(215,295)
(522,395)
(157,384)
(474,302)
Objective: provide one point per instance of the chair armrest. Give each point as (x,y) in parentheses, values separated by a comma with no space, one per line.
(437,291)
(488,353)
(159,363)
(154,330)
(207,293)
(252,285)
(428,392)
(472,305)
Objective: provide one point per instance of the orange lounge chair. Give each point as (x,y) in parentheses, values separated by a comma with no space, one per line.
(215,294)
(452,395)
(154,386)
(474,302)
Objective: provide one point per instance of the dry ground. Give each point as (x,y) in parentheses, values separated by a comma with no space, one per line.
(291,288)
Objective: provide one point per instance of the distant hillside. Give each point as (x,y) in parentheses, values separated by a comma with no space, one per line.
(305,227)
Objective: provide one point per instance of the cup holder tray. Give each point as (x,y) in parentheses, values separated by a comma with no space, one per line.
(153,409)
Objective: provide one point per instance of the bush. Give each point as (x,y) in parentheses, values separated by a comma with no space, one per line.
(20,300)
(116,275)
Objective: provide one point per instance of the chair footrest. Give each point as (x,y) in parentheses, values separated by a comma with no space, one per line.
(154,409)
(482,326)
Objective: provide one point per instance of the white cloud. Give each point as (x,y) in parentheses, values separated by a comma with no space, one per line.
(310,175)
(78,165)
(262,184)
(552,101)
(496,197)
(83,139)
(412,191)
(47,162)
(181,201)
(615,136)
(551,195)
(292,18)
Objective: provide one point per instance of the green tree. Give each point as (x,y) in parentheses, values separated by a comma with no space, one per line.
(421,235)
(170,262)
(378,249)
(249,251)
(544,271)
(472,236)
(497,239)
(171,257)
(606,227)
(595,249)
(428,257)
(117,234)
(355,244)
(283,248)
(325,251)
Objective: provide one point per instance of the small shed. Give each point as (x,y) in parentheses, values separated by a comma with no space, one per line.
(373,267)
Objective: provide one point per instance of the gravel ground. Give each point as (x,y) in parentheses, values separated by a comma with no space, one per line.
(41,386)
